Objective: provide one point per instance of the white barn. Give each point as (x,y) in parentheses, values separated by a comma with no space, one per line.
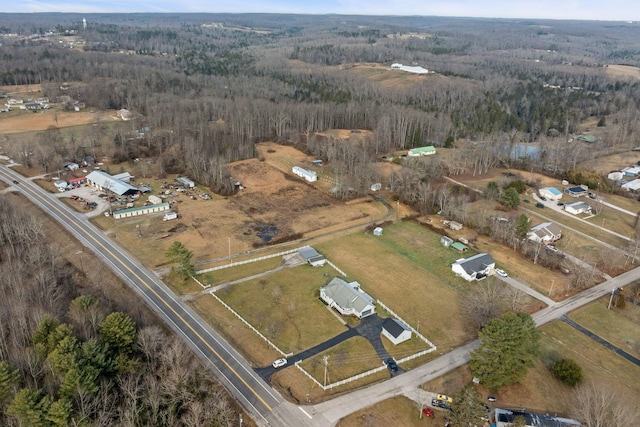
(550,193)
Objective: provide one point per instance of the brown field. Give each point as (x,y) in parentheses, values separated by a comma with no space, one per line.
(623,71)
(399,411)
(613,162)
(385,76)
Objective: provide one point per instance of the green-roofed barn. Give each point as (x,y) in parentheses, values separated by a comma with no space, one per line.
(459,247)
(422,151)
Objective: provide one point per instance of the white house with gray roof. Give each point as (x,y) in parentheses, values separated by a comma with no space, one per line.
(546,232)
(476,267)
(348,298)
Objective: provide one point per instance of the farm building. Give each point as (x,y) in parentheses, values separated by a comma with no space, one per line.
(550,193)
(615,176)
(77,182)
(632,185)
(124,177)
(476,267)
(127,213)
(308,175)
(408,69)
(586,138)
(577,208)
(455,226)
(377,231)
(422,151)
(347,298)
(578,191)
(631,171)
(505,418)
(71,166)
(169,216)
(459,247)
(546,232)
(312,257)
(103,181)
(185,182)
(396,331)
(446,241)
(316,163)
(154,200)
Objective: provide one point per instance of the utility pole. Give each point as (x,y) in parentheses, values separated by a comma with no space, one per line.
(418,328)
(229,249)
(611,299)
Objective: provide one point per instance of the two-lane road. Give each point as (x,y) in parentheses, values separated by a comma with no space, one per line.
(255,395)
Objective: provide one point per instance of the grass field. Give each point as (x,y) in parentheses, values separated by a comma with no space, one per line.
(285,307)
(349,358)
(398,411)
(230,274)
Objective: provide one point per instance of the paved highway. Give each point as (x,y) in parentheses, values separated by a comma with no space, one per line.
(231,368)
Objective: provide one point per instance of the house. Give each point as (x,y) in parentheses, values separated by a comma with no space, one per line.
(154,200)
(124,114)
(312,257)
(88,161)
(185,182)
(71,166)
(578,191)
(577,208)
(459,247)
(61,184)
(632,185)
(377,231)
(455,226)
(446,241)
(546,232)
(422,151)
(550,193)
(396,331)
(476,267)
(308,175)
(347,298)
(506,418)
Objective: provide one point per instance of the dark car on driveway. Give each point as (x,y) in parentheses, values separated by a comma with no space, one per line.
(544,199)
(439,404)
(15,182)
(539,205)
(392,365)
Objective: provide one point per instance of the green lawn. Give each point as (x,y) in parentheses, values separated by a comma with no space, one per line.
(240,271)
(285,306)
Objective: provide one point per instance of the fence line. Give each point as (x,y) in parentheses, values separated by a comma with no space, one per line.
(247,261)
(341,382)
(336,268)
(418,334)
(249,325)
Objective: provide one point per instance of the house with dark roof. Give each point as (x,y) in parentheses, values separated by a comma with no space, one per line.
(476,267)
(395,331)
(577,191)
(312,257)
(347,298)
(546,232)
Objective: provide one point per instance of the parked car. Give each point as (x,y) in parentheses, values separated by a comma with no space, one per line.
(444,398)
(15,182)
(552,248)
(491,399)
(560,204)
(501,272)
(526,200)
(279,363)
(544,199)
(539,205)
(427,411)
(439,404)
(392,365)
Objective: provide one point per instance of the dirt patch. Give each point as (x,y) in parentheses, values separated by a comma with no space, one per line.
(623,71)
(26,121)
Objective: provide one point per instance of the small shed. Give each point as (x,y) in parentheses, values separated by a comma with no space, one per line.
(396,331)
(377,231)
(459,247)
(317,163)
(185,182)
(61,184)
(446,241)
(154,200)
(312,256)
(376,187)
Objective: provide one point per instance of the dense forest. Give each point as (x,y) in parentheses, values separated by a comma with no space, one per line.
(210,86)
(67,358)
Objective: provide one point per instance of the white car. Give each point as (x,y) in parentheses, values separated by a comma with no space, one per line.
(279,363)
(501,272)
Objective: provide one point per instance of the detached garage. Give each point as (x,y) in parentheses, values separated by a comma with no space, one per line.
(396,331)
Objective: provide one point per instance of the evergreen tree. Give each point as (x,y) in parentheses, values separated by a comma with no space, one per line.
(510,198)
(180,255)
(567,371)
(118,331)
(467,407)
(508,347)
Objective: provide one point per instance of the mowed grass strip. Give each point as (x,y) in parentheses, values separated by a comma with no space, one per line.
(402,278)
(285,306)
(239,272)
(619,327)
(351,357)
(399,411)
(612,219)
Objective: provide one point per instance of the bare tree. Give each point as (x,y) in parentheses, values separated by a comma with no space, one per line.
(599,405)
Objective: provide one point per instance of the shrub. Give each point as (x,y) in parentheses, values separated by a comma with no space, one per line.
(568,371)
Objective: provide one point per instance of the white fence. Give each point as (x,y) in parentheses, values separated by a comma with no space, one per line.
(247,261)
(341,382)
(336,268)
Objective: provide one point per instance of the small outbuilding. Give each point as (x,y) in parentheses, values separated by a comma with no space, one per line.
(459,247)
(396,331)
(376,186)
(578,191)
(577,208)
(308,175)
(422,151)
(446,241)
(455,226)
(632,185)
(185,182)
(377,231)
(61,184)
(312,256)
(154,200)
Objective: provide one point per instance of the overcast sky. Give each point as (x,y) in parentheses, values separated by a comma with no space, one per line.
(620,10)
